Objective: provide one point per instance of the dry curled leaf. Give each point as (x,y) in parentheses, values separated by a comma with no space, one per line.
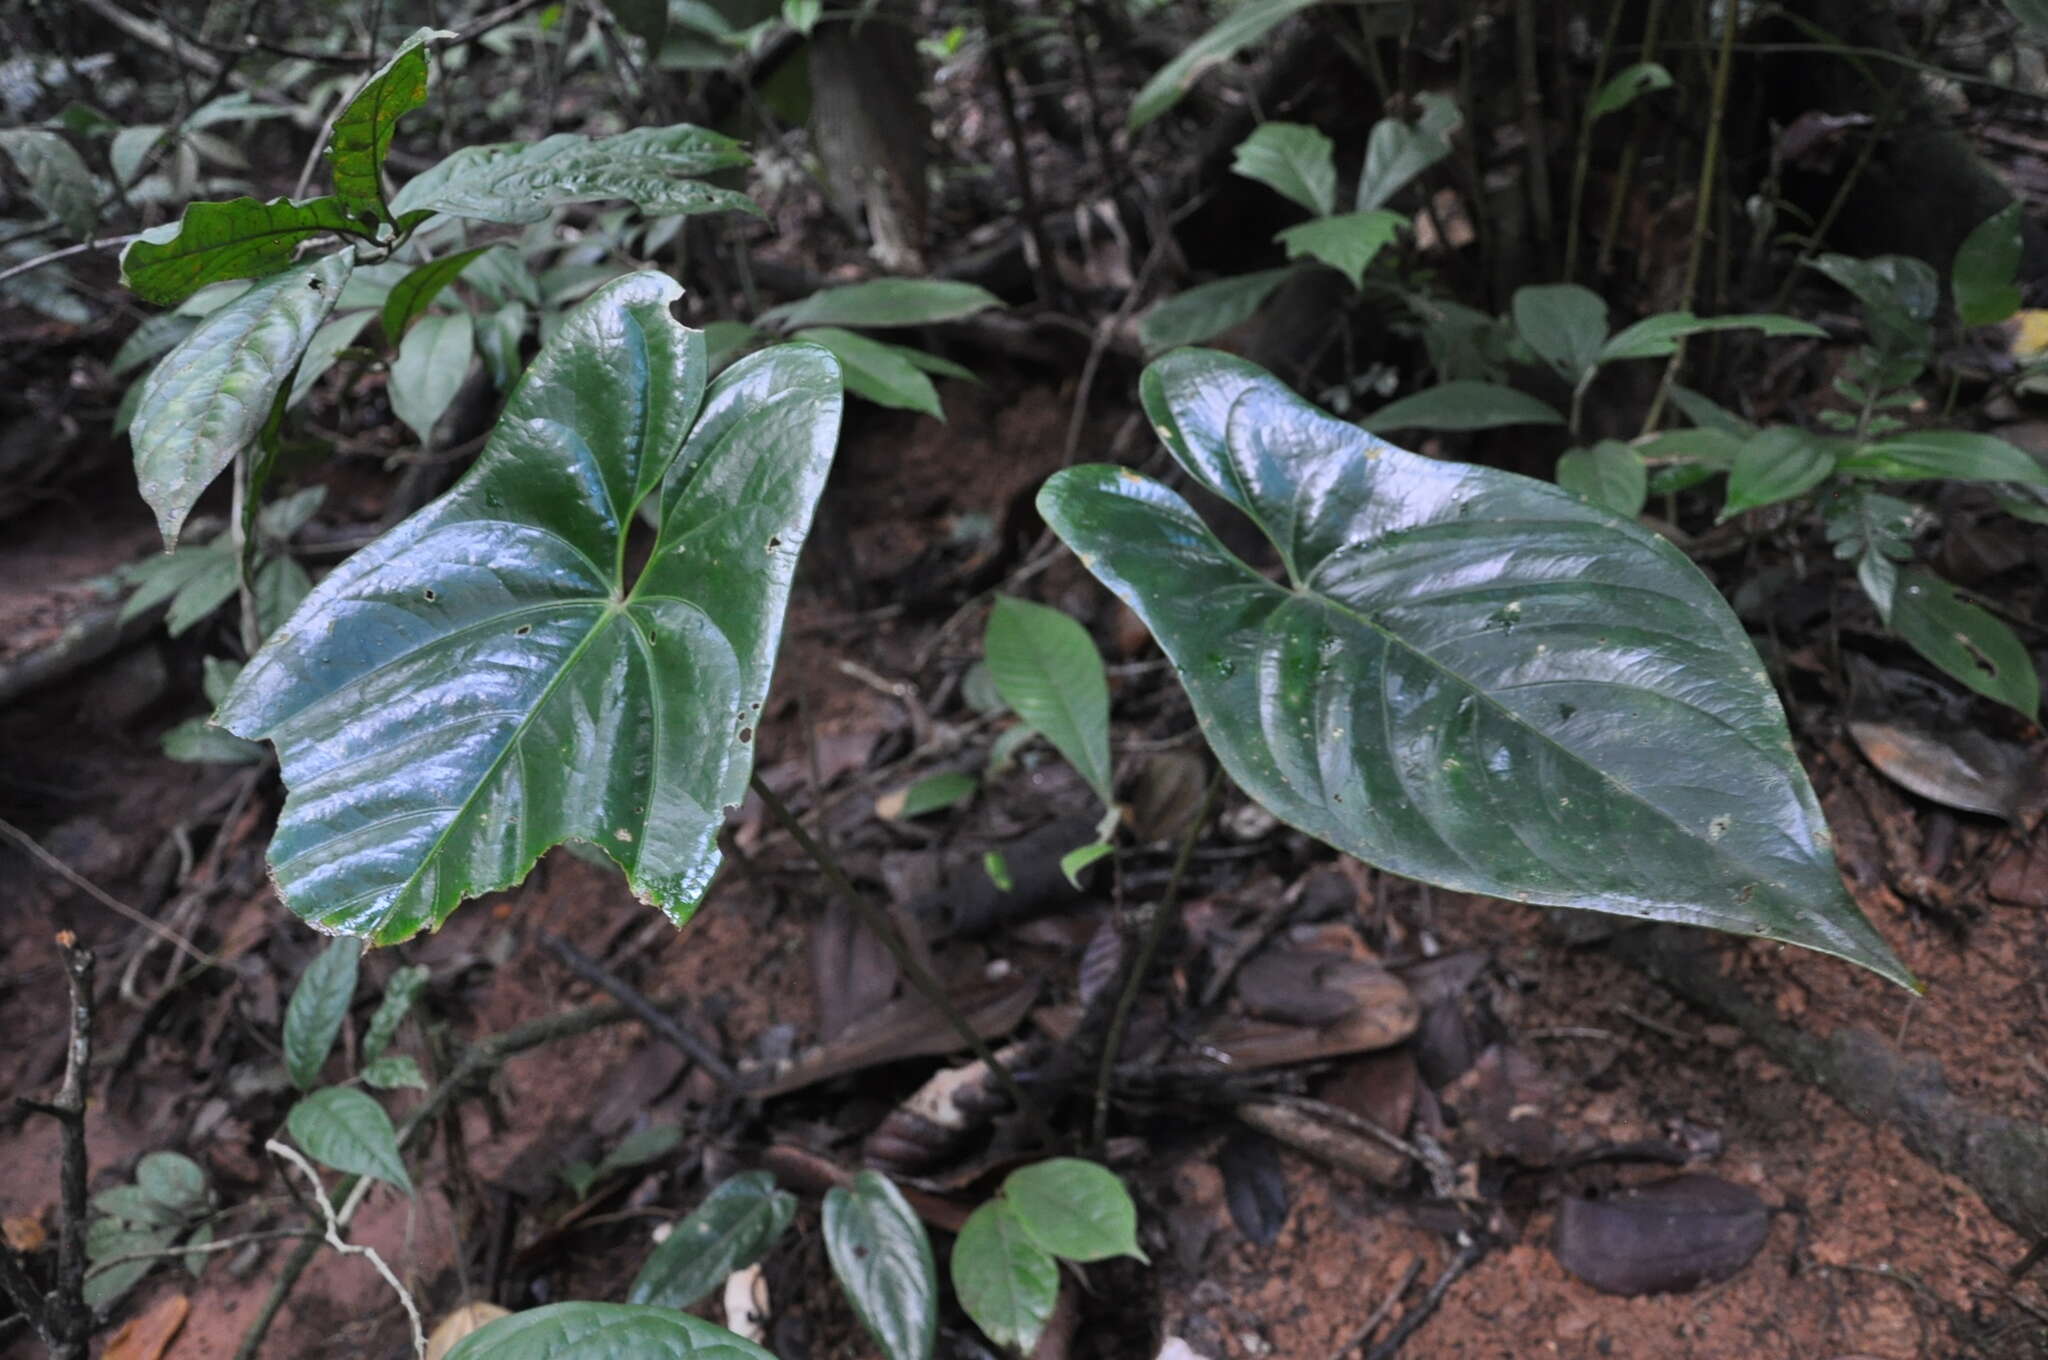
(1664,1238)
(149,1336)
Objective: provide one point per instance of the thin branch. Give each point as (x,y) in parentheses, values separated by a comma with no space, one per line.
(30,266)
(348,1248)
(633,999)
(99,895)
(195,1248)
(1141,965)
(1469,1254)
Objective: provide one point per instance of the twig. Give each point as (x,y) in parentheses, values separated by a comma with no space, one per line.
(1027,189)
(914,970)
(61,1317)
(29,266)
(348,1248)
(194,1248)
(1379,1314)
(1139,966)
(634,1000)
(1469,1253)
(99,895)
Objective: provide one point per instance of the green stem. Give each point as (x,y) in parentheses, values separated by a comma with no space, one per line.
(1582,163)
(1653,24)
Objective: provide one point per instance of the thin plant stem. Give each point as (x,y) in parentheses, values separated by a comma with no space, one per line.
(1702,207)
(1148,947)
(1582,163)
(1624,175)
(1540,205)
(920,977)
(347,1248)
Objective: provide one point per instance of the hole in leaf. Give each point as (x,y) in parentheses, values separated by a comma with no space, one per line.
(774,542)
(746,734)
(522,630)
(428,595)
(1977,657)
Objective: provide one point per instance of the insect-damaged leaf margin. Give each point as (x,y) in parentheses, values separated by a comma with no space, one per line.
(1467,676)
(487,680)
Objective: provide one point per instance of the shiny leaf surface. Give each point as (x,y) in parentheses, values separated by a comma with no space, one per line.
(1075,1209)
(362,131)
(513,182)
(239,239)
(1466,676)
(603,1331)
(883,1259)
(730,1230)
(1006,1282)
(318,1007)
(488,679)
(208,399)
(339,1126)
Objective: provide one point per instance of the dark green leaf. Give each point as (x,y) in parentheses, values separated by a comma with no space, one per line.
(1293,160)
(362,131)
(730,1230)
(1075,1209)
(416,291)
(644,19)
(880,372)
(884,302)
(1654,337)
(884,1261)
(1207,310)
(1782,462)
(2032,13)
(1953,455)
(1046,667)
(209,398)
(1898,293)
(1610,474)
(639,1148)
(103,1288)
(1627,86)
(341,1127)
(1463,405)
(1986,273)
(173,1180)
(1348,243)
(1565,324)
(1396,151)
(1242,26)
(1964,640)
(392,1071)
(512,182)
(432,361)
(1708,414)
(318,1007)
(58,178)
(1005,1282)
(239,239)
(1471,678)
(603,1331)
(197,741)
(487,680)
(399,993)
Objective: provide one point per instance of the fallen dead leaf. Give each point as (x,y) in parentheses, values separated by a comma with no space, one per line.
(149,1336)
(1664,1238)
(470,1317)
(24,1232)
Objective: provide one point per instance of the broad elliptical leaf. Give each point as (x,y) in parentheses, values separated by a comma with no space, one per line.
(489,679)
(1465,676)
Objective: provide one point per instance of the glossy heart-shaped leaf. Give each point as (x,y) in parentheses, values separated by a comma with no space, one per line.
(730,1230)
(1006,1282)
(489,679)
(603,1331)
(1464,676)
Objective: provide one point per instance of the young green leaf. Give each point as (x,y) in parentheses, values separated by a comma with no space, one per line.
(1610,474)
(392,1071)
(1348,243)
(1986,273)
(652,168)
(1005,1282)
(1463,405)
(1469,677)
(1565,324)
(878,371)
(318,1007)
(363,130)
(1950,455)
(1076,860)
(1077,1210)
(340,1127)
(412,295)
(1655,337)
(1397,151)
(172,1180)
(603,1331)
(1625,87)
(1046,667)
(1293,160)
(432,361)
(209,398)
(1782,462)
(399,993)
(215,242)
(488,679)
(884,1261)
(1967,642)
(1209,309)
(1242,26)
(733,1228)
(884,302)
(58,179)
(933,793)
(196,741)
